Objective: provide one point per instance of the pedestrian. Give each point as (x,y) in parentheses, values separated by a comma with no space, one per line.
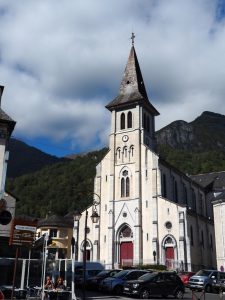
(60,284)
(48,284)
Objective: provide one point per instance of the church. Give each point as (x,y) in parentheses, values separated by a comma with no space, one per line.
(150,212)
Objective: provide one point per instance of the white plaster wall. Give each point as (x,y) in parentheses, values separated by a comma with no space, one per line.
(219,220)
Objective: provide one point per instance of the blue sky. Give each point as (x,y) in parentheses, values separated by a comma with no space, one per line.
(62,62)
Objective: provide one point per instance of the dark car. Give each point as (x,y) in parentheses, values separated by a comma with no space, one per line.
(79,276)
(218,284)
(157,284)
(185,276)
(115,284)
(94,282)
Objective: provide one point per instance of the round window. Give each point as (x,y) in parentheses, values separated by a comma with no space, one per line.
(168,225)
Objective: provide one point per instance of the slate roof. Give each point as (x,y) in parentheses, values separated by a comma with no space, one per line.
(4,118)
(56,221)
(132,87)
(220,197)
(215,179)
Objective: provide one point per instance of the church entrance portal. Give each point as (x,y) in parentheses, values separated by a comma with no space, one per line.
(126,246)
(169,246)
(169,257)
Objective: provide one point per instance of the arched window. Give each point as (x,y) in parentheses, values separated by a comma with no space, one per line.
(211,242)
(126,232)
(203,243)
(132,150)
(122,121)
(129,119)
(175,191)
(118,151)
(125,151)
(148,124)
(125,184)
(191,236)
(193,199)
(185,194)
(144,121)
(127,187)
(123,187)
(164,190)
(201,205)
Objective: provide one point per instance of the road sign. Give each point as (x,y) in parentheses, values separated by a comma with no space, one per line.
(22,232)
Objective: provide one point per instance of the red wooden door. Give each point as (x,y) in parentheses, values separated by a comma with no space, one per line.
(169,257)
(126,254)
(88,255)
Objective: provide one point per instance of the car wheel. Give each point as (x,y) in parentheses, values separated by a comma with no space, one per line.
(179,294)
(118,290)
(208,288)
(145,294)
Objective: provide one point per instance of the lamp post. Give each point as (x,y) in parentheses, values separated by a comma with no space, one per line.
(74,250)
(94,217)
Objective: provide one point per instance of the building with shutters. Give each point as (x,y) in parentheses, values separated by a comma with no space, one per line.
(150,212)
(7,201)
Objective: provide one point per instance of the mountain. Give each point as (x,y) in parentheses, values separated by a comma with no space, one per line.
(207,132)
(25,159)
(195,147)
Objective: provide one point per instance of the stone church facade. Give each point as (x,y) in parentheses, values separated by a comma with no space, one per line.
(150,212)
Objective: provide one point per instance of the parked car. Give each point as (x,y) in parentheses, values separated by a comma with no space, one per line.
(218,285)
(115,284)
(185,276)
(94,282)
(92,269)
(204,280)
(79,276)
(157,284)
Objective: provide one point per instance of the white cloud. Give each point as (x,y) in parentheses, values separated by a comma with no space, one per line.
(62,62)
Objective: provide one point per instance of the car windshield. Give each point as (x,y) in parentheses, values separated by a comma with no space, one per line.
(102,273)
(147,276)
(121,274)
(203,273)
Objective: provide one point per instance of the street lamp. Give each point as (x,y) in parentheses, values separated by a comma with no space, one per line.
(77,215)
(74,250)
(95,218)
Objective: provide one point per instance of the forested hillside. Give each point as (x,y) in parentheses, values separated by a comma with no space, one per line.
(57,188)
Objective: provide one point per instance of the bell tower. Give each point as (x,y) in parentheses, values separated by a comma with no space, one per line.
(131,109)
(132,131)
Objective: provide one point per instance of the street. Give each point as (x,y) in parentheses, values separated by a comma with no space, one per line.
(188,295)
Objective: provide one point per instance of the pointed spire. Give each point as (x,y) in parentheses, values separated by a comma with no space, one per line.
(132,81)
(132,88)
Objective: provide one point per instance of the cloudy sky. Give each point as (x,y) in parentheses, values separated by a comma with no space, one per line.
(61,62)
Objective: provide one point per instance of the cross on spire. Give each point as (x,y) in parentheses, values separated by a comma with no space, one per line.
(132,38)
